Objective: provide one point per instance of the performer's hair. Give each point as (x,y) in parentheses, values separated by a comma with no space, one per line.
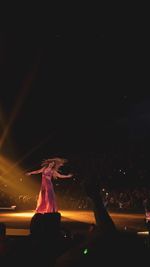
(58,162)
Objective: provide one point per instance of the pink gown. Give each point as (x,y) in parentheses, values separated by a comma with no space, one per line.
(46,202)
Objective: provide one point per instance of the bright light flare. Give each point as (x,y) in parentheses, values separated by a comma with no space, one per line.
(10,180)
(143,233)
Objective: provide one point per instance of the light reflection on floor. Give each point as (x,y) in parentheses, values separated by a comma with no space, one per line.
(83,216)
(20,220)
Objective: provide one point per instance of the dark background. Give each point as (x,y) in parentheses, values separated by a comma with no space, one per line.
(74,86)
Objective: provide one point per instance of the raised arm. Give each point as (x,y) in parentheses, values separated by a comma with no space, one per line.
(35,172)
(59,175)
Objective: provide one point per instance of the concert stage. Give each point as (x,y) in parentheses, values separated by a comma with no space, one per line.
(18,223)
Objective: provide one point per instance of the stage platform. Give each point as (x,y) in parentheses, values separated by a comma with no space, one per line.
(18,222)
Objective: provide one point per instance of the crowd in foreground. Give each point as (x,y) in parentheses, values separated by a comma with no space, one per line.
(50,243)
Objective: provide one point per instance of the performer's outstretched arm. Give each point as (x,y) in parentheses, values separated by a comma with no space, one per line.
(57,174)
(35,172)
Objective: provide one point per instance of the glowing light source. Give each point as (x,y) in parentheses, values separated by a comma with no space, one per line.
(85,251)
(143,233)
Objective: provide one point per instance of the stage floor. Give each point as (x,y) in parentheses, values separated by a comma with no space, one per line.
(18,223)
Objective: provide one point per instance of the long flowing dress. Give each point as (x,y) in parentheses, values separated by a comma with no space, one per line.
(46,202)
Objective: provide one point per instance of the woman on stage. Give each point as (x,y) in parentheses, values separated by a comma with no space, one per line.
(46,202)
